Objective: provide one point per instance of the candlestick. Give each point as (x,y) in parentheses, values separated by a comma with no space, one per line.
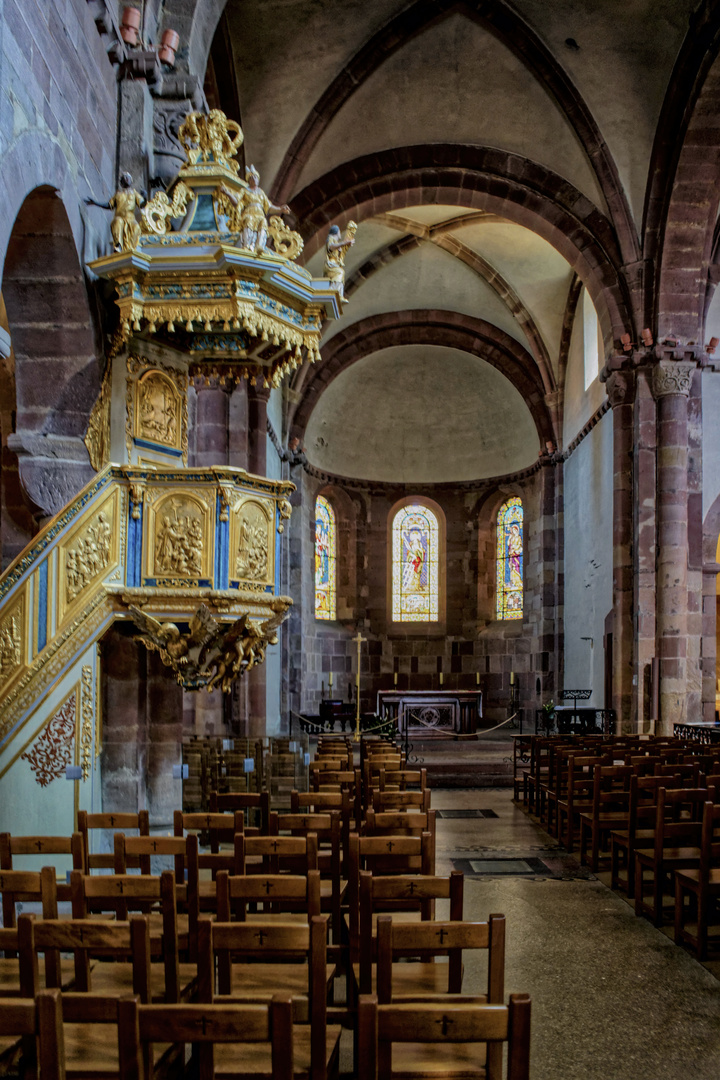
(359,639)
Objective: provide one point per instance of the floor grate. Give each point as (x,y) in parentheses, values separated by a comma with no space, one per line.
(457,814)
(561,868)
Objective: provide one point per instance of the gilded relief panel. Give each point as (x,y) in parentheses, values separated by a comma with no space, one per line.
(156,404)
(89,554)
(252,542)
(178,539)
(13,643)
(158,410)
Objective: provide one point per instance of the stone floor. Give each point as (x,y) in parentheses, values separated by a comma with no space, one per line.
(613,998)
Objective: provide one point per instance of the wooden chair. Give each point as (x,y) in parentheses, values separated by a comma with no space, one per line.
(609,810)
(642,808)
(322,802)
(575,797)
(425,979)
(219,1034)
(269,945)
(14,847)
(170,981)
(275,854)
(20,887)
(402,779)
(389,799)
(418,1040)
(327,829)
(409,898)
(34,1027)
(676,846)
(107,823)
(702,886)
(278,896)
(143,849)
(254,806)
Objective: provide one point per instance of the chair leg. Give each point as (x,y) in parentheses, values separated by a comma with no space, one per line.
(679,921)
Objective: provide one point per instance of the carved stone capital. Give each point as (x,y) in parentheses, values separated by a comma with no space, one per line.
(620,387)
(672,377)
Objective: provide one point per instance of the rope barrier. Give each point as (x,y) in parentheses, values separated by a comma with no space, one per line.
(453,735)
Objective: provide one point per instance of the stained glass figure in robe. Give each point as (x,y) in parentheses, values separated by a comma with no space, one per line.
(325,559)
(415,565)
(510,560)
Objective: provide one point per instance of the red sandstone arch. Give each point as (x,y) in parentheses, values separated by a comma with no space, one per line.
(450,243)
(513,32)
(422,326)
(480,178)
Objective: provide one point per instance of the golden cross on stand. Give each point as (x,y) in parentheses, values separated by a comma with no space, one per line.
(359,641)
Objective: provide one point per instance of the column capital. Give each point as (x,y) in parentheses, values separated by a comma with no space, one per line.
(620,387)
(672,377)
(257,391)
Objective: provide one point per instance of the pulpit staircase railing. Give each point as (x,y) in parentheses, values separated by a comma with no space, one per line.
(162,540)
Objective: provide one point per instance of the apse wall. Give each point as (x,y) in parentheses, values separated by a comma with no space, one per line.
(469,639)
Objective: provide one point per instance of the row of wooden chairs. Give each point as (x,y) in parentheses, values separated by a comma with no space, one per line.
(651,816)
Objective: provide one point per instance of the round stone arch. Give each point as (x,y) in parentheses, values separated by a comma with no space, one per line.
(57,373)
(423,326)
(479,178)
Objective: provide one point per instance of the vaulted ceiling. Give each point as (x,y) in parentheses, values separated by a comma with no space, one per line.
(496,159)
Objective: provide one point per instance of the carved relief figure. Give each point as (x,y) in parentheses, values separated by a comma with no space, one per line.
(336,249)
(158,410)
(179,541)
(247,212)
(251,561)
(88,557)
(10,646)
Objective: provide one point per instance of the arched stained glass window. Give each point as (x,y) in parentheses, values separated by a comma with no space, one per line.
(510,560)
(415,550)
(325,560)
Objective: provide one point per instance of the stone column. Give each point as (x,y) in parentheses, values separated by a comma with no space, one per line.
(258,397)
(238,426)
(211,447)
(672,380)
(620,388)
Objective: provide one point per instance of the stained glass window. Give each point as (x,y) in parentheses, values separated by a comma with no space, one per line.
(510,560)
(415,565)
(325,557)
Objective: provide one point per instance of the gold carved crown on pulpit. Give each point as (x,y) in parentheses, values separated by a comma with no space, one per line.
(208,265)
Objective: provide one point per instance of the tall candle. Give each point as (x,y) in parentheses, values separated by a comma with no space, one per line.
(395,678)
(512,678)
(441,678)
(477,678)
(330,680)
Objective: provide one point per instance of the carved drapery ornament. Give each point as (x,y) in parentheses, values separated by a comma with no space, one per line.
(672,377)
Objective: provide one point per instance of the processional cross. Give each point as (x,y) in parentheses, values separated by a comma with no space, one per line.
(359,639)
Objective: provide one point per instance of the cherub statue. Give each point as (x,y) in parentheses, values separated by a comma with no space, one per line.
(336,249)
(125,227)
(166,638)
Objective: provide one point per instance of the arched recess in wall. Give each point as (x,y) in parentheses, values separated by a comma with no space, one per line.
(344,512)
(417,565)
(57,373)
(16,522)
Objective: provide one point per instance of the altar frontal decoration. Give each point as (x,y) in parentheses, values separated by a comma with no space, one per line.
(209,268)
(210,655)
